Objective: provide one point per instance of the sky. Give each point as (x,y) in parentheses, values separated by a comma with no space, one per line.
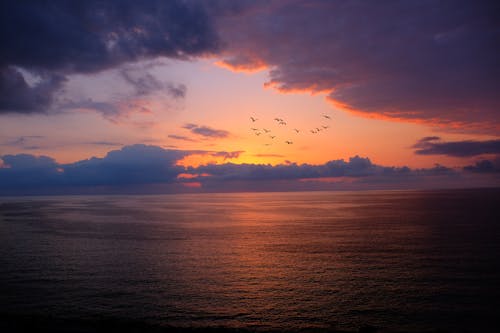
(184,96)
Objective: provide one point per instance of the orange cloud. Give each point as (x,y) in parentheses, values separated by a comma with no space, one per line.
(242,64)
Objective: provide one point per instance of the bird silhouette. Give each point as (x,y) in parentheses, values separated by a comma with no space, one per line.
(258,133)
(272,136)
(253,128)
(266,130)
(253,119)
(313,132)
(296,130)
(325,127)
(327,116)
(278,119)
(282,122)
(288,142)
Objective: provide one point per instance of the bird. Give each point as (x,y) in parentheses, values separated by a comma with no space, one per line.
(278,119)
(253,128)
(253,119)
(296,130)
(272,136)
(325,127)
(267,144)
(318,129)
(288,142)
(258,133)
(266,130)
(313,132)
(327,116)
(282,123)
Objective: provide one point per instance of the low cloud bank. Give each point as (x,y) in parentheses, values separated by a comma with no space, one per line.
(144,168)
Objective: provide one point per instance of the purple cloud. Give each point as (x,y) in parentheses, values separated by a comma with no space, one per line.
(56,38)
(16,95)
(485,166)
(104,143)
(420,61)
(434,146)
(145,83)
(355,167)
(228,154)
(181,137)
(206,131)
(140,166)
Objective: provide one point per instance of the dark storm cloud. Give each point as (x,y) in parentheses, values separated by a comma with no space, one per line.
(16,95)
(89,36)
(206,131)
(434,146)
(435,61)
(57,37)
(412,60)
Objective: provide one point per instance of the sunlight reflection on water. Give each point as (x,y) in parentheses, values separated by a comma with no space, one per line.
(396,259)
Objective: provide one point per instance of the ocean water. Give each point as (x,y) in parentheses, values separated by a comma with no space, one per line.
(398,260)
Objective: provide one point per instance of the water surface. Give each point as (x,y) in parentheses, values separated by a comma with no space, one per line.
(398,260)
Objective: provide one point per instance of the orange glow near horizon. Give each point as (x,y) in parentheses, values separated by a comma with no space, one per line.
(225,100)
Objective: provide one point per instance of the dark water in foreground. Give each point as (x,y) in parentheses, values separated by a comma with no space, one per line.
(412,260)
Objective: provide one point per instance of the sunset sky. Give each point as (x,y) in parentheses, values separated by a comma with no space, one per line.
(158,96)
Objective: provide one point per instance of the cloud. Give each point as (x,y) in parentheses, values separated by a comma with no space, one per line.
(131,165)
(181,137)
(16,95)
(485,166)
(55,38)
(176,91)
(136,164)
(104,143)
(108,110)
(24,142)
(144,167)
(95,35)
(228,154)
(355,167)
(206,131)
(145,83)
(434,146)
(27,171)
(415,61)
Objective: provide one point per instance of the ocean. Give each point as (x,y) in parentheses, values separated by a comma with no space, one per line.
(409,261)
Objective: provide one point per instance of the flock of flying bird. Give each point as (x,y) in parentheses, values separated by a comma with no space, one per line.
(267,132)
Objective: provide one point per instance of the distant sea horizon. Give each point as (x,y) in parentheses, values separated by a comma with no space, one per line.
(317,261)
(112,191)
